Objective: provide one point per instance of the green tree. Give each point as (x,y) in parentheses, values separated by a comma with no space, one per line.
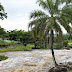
(2,16)
(21,35)
(70,35)
(15,34)
(2,12)
(52,20)
(3,33)
(27,38)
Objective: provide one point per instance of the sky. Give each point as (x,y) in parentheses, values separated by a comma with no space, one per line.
(18,12)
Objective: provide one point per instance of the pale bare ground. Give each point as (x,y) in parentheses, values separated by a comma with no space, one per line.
(33,61)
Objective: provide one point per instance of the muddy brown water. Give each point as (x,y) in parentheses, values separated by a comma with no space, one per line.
(33,61)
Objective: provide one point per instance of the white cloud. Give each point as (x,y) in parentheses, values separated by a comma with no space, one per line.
(19,23)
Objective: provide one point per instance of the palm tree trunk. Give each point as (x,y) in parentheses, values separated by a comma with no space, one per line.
(48,40)
(41,43)
(35,44)
(51,46)
(44,44)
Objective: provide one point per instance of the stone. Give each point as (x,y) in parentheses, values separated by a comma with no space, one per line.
(59,68)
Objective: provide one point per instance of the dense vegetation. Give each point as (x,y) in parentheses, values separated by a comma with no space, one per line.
(22,37)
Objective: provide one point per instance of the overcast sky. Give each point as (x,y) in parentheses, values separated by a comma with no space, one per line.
(18,12)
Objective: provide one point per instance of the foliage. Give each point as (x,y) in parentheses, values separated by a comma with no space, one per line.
(69,41)
(4,43)
(15,34)
(2,57)
(65,43)
(27,38)
(70,35)
(3,33)
(17,47)
(58,42)
(2,12)
(66,36)
(69,46)
(21,35)
(58,45)
(43,23)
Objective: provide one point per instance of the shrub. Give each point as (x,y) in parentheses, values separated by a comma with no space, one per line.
(2,57)
(70,46)
(58,45)
(65,43)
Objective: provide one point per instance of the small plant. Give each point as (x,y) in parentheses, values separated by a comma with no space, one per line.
(2,57)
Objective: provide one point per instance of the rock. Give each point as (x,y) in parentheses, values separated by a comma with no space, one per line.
(59,68)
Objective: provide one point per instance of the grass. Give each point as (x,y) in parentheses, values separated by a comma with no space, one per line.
(70,71)
(2,57)
(69,41)
(17,47)
(4,43)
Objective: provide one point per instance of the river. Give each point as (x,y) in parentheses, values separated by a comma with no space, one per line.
(33,61)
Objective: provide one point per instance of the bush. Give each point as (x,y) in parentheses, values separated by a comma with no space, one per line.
(69,46)
(58,45)
(65,43)
(4,43)
(2,57)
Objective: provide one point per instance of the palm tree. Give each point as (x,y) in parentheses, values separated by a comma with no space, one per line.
(70,35)
(34,34)
(51,20)
(2,12)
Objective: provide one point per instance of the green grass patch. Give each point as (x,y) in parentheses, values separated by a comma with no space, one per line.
(17,47)
(2,57)
(4,43)
(70,71)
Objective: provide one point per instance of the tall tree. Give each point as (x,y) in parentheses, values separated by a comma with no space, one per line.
(52,20)
(3,33)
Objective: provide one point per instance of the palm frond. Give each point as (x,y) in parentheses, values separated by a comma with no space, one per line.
(38,21)
(67,1)
(37,14)
(57,28)
(67,12)
(43,4)
(1,7)
(2,12)
(64,22)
